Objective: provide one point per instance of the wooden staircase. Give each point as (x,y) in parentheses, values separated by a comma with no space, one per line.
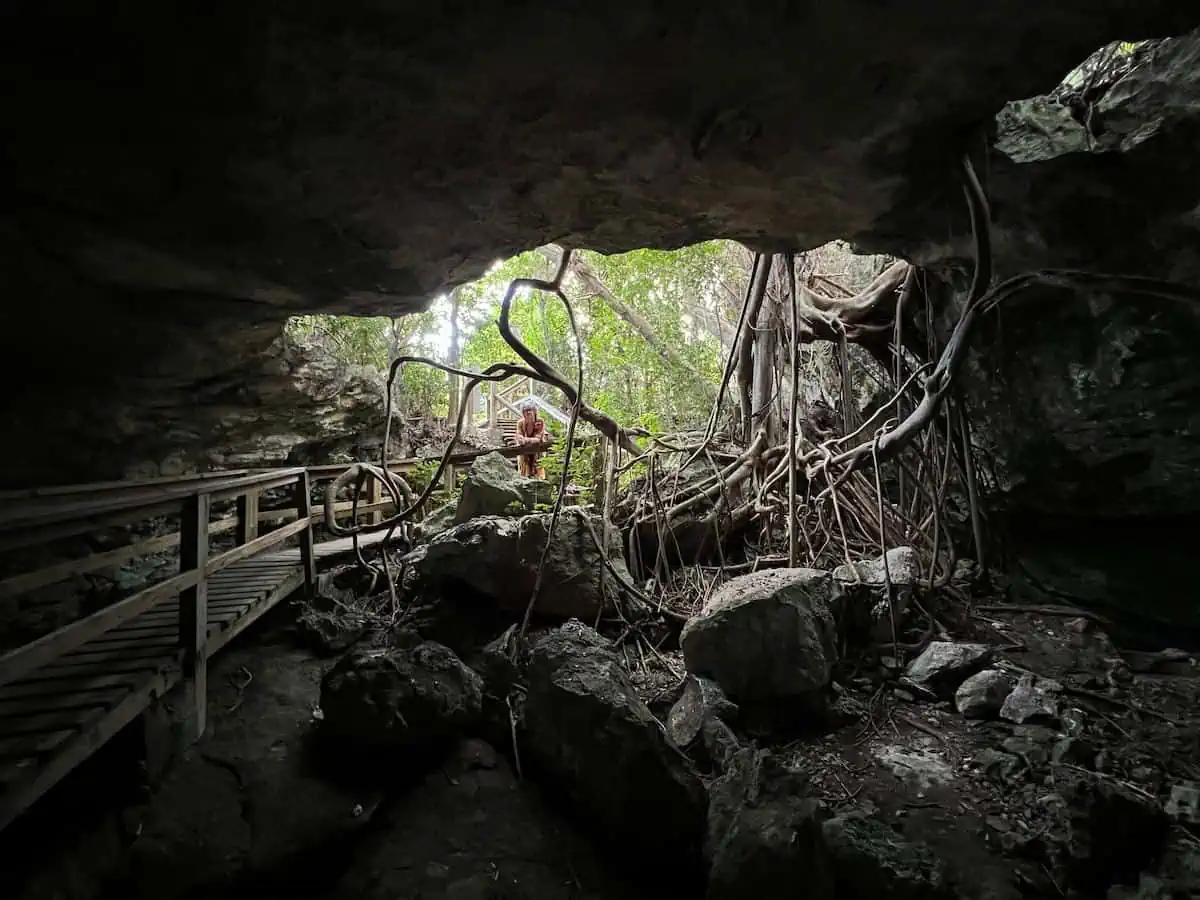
(503,407)
(507,426)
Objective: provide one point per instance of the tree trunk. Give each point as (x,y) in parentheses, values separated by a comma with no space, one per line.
(745,365)
(542,390)
(455,353)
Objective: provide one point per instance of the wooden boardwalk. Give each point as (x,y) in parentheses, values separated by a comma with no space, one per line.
(58,715)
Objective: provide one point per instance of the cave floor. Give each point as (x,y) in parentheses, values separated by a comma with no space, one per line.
(242,813)
(245,813)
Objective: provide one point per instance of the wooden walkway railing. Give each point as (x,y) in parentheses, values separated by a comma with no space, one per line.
(66,693)
(63,695)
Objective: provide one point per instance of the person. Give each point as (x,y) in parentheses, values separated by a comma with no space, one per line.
(531,432)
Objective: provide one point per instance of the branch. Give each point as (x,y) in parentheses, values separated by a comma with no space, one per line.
(576,405)
(626,313)
(980,301)
(543,370)
(792,525)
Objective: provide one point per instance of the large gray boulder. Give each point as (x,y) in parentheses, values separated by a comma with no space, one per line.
(499,557)
(861,602)
(764,837)
(944,665)
(704,712)
(983,694)
(494,488)
(767,635)
(390,700)
(584,726)
(870,859)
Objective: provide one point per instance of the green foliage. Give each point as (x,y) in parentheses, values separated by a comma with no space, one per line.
(624,376)
(353,339)
(680,293)
(422,389)
(583,460)
(421,474)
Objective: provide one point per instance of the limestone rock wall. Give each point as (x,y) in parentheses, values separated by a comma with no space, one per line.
(163,213)
(1087,403)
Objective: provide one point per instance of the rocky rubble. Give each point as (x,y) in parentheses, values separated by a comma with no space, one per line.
(863,604)
(983,695)
(1020,754)
(943,666)
(998,760)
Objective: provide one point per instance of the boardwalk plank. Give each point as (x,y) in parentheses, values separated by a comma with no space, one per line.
(58,715)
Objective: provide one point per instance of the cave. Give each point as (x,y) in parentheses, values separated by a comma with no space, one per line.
(177,182)
(164,216)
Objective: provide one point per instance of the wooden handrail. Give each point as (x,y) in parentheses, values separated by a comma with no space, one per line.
(46,649)
(38,513)
(23,660)
(60,571)
(253,548)
(53,513)
(101,486)
(29,581)
(328,471)
(44,534)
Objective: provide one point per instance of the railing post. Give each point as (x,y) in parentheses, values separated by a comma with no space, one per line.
(491,405)
(193,616)
(308,559)
(247,517)
(448,478)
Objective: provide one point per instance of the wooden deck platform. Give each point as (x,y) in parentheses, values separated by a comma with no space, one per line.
(56,717)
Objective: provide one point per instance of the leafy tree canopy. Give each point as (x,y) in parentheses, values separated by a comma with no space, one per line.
(688,297)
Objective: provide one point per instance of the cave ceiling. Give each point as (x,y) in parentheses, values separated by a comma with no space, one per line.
(180,178)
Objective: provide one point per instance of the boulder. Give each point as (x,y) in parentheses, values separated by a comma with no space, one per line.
(494,488)
(944,665)
(435,523)
(1183,803)
(389,700)
(900,564)
(1033,700)
(861,601)
(982,695)
(765,835)
(870,859)
(584,727)
(499,557)
(1112,834)
(767,635)
(329,627)
(703,711)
